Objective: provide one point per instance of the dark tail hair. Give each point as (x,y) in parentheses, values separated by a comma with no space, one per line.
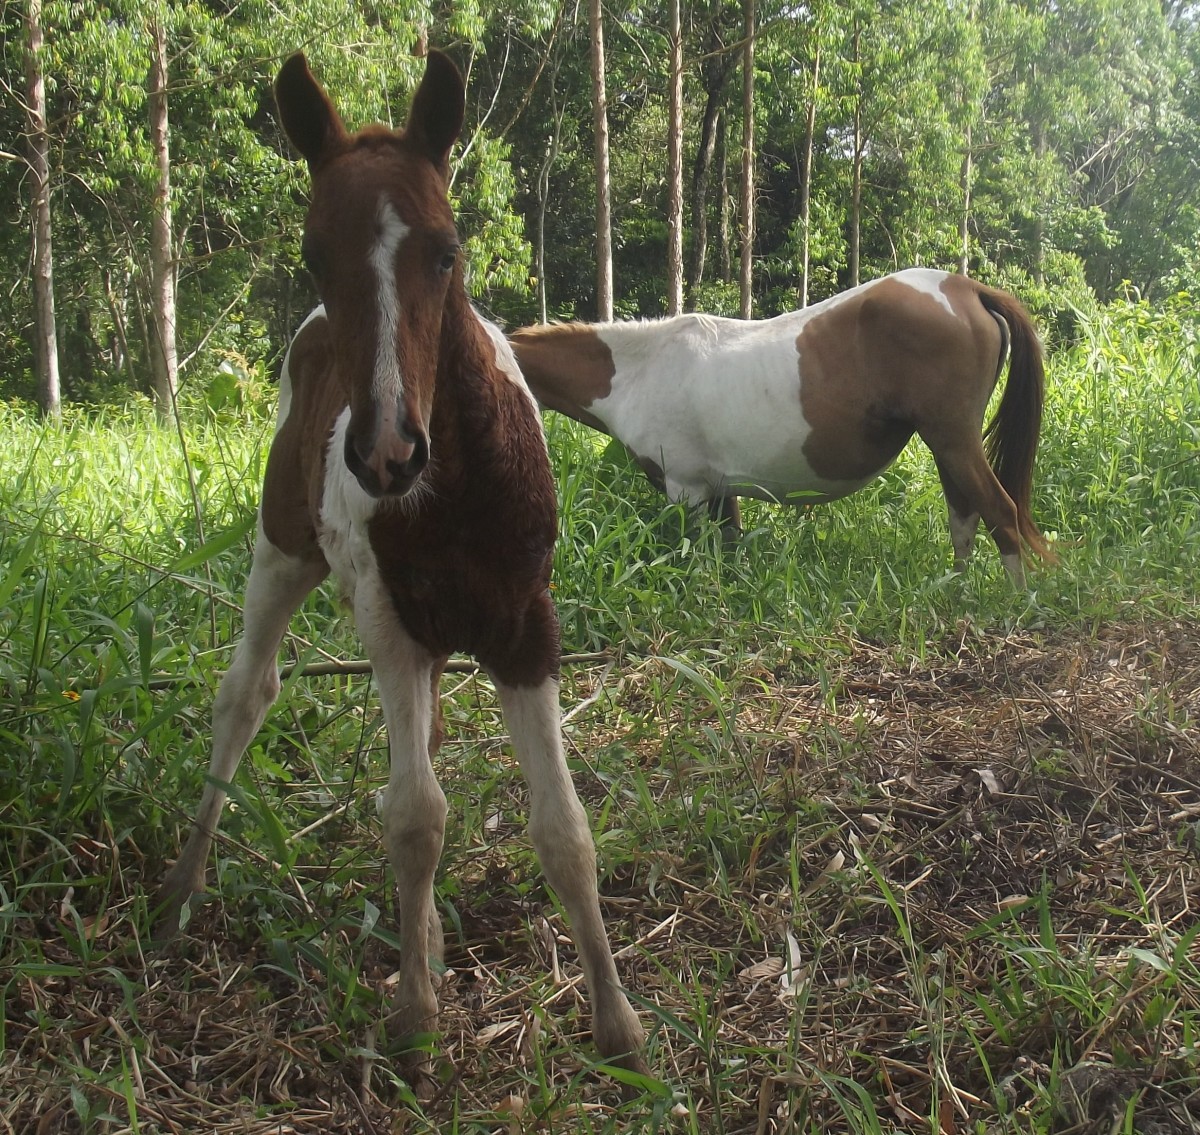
(1012,435)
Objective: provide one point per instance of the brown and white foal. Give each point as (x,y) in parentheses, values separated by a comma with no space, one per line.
(409,460)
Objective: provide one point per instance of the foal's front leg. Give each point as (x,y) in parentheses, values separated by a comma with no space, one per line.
(277,585)
(414,806)
(563,841)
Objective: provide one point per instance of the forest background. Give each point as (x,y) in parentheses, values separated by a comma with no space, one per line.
(1050,148)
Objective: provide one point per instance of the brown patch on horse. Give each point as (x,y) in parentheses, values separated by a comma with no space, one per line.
(295,476)
(568,366)
(875,367)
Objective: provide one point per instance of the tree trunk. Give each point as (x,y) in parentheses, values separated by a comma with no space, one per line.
(856,177)
(747,234)
(1039,224)
(45,330)
(716,71)
(164,360)
(675,168)
(810,128)
(726,201)
(964,224)
(604,264)
(543,192)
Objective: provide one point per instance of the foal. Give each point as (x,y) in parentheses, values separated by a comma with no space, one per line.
(409,459)
(814,404)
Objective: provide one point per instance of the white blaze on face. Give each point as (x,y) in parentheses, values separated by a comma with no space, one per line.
(391,231)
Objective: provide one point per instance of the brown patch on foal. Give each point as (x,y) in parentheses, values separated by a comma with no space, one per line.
(875,367)
(567,366)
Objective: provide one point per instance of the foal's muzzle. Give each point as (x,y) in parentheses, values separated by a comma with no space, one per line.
(388,464)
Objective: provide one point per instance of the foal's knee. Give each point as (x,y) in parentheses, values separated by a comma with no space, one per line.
(414,826)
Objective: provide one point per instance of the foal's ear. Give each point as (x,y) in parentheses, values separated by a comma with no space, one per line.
(308,116)
(437,110)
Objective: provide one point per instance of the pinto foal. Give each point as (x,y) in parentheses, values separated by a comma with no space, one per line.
(814,404)
(409,460)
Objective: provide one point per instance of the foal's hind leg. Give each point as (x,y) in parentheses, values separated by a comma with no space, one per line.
(977,492)
(277,585)
(563,841)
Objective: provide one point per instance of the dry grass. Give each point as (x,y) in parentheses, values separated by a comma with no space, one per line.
(929,892)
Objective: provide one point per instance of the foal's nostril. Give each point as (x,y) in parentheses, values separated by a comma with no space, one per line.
(419,457)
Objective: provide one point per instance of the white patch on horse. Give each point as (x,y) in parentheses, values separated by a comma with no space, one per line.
(707,442)
(506,361)
(389,383)
(928,281)
(346,509)
(285,375)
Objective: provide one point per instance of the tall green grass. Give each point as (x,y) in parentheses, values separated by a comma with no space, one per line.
(122,560)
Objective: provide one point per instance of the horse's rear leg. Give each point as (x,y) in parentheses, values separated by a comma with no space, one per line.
(972,491)
(563,841)
(726,512)
(276,587)
(964,520)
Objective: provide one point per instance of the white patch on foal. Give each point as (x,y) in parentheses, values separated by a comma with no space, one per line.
(389,383)
(285,375)
(345,510)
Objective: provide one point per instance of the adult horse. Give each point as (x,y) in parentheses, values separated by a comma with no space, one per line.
(409,460)
(814,404)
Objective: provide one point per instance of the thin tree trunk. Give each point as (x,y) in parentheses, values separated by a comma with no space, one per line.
(1039,225)
(715,74)
(747,234)
(810,128)
(543,191)
(45,329)
(164,362)
(726,201)
(675,168)
(604,264)
(964,224)
(856,177)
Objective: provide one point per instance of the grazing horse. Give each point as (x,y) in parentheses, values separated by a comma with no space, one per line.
(814,404)
(409,460)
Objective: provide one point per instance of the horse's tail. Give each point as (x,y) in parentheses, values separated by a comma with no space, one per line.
(1012,435)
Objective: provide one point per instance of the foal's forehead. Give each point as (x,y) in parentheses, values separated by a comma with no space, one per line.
(379,168)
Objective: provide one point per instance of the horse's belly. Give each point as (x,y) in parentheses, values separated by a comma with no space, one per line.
(799,487)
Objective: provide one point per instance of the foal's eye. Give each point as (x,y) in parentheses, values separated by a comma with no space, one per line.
(446,264)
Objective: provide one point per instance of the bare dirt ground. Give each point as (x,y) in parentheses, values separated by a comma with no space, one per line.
(971,879)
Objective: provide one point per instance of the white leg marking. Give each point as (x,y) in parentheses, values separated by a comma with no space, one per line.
(414,807)
(276,587)
(1015,568)
(563,841)
(389,383)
